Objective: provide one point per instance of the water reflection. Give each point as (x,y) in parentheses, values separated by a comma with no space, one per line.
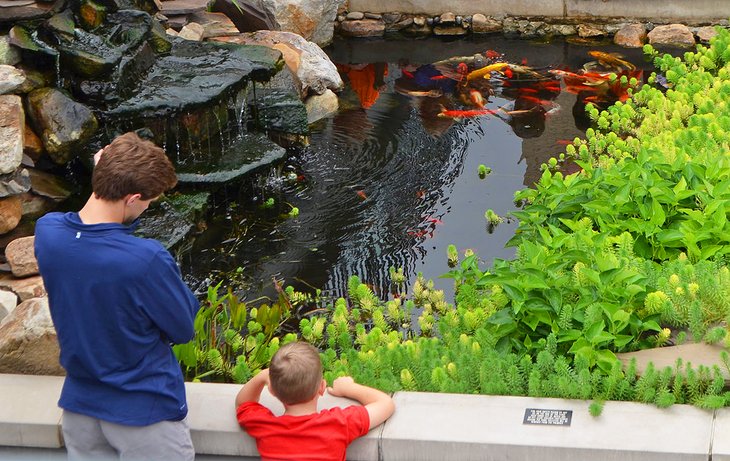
(391,179)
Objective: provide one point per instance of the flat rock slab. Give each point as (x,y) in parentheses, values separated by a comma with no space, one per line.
(246,155)
(183,7)
(696,354)
(29,412)
(214,24)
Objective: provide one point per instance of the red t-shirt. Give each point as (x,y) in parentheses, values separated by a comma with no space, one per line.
(316,437)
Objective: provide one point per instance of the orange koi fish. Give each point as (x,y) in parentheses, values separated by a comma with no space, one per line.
(361,194)
(612,60)
(491,54)
(434,220)
(406,73)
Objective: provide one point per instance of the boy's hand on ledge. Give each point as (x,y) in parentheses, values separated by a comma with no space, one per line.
(340,386)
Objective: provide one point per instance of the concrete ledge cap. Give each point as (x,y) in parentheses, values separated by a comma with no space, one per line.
(426,426)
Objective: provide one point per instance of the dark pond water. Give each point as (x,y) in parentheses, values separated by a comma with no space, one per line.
(387,182)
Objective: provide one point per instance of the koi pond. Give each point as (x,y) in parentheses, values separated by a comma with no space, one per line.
(394,177)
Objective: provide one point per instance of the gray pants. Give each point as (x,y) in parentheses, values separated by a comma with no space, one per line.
(90,439)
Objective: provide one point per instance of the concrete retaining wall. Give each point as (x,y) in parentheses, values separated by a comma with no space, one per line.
(425,427)
(659,11)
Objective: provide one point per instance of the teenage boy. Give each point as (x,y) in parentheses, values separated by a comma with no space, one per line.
(118,302)
(302,433)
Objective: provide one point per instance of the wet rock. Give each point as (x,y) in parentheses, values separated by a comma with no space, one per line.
(310,66)
(158,40)
(28,12)
(48,185)
(88,55)
(192,31)
(8,302)
(12,126)
(631,36)
(14,183)
(21,257)
(24,288)
(481,24)
(164,224)
(11,211)
(28,342)
(32,145)
(92,14)
(704,34)
(9,55)
(251,153)
(354,16)
(677,35)
(62,23)
(312,19)
(192,205)
(363,28)
(11,79)
(64,124)
(319,106)
(590,30)
(280,111)
(34,79)
(246,16)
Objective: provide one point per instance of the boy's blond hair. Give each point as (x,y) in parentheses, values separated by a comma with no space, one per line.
(295,373)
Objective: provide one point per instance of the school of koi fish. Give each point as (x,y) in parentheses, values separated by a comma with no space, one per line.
(474,79)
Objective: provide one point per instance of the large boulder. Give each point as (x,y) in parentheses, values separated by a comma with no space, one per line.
(677,35)
(12,127)
(311,67)
(11,79)
(21,257)
(312,19)
(631,36)
(63,124)
(8,302)
(28,342)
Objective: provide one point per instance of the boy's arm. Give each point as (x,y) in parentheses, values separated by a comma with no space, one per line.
(378,404)
(251,391)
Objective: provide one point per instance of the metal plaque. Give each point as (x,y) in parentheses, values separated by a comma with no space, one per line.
(548,417)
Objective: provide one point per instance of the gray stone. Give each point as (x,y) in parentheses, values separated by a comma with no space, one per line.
(631,36)
(400,25)
(164,224)
(28,343)
(8,301)
(12,127)
(677,35)
(21,257)
(11,79)
(11,211)
(481,24)
(14,183)
(24,288)
(363,28)
(392,18)
(34,206)
(9,55)
(373,16)
(354,16)
(310,65)
(312,19)
(49,185)
(562,29)
(64,124)
(320,106)
(704,34)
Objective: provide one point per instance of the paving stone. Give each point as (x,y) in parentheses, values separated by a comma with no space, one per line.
(29,413)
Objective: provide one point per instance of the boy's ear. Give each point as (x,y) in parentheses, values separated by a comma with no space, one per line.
(322,387)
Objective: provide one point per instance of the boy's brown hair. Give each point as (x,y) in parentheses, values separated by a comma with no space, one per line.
(295,373)
(132,165)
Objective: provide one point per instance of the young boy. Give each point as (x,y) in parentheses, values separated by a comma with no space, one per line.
(302,433)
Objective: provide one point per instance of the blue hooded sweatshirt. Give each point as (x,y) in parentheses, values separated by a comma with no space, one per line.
(117,302)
